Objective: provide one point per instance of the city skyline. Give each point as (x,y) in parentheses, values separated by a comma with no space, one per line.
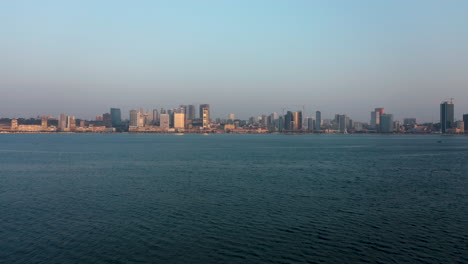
(185,119)
(244,57)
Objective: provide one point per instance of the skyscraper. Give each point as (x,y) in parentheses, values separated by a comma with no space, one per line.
(386,123)
(465,120)
(447,116)
(179,120)
(343,121)
(155,116)
(373,120)
(205,116)
(310,124)
(164,121)
(136,118)
(297,118)
(205,109)
(107,119)
(191,112)
(318,120)
(288,121)
(116,116)
(62,123)
(232,117)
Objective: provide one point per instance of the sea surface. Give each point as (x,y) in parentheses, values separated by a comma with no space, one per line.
(136,198)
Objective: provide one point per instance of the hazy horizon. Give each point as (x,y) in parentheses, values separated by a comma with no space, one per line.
(245,57)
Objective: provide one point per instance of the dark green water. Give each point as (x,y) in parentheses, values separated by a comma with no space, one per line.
(119,198)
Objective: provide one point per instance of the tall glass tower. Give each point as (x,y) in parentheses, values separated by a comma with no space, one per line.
(116,116)
(447,116)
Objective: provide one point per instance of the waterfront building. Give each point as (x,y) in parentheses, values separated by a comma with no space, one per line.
(179,120)
(62,122)
(288,121)
(310,124)
(191,112)
(297,119)
(318,121)
(205,112)
(205,116)
(107,120)
(116,116)
(447,116)
(155,116)
(343,122)
(386,123)
(375,118)
(44,123)
(465,121)
(164,121)
(136,118)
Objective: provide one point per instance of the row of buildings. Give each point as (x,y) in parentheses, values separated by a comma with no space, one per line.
(185,119)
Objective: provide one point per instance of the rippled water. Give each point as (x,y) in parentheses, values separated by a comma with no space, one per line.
(121,198)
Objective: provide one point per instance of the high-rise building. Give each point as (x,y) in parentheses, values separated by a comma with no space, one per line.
(179,120)
(155,116)
(71,123)
(191,112)
(310,124)
(343,122)
(297,118)
(116,116)
(375,117)
(465,120)
(386,123)
(164,121)
(373,120)
(205,110)
(318,120)
(232,117)
(62,122)
(447,116)
(107,119)
(134,118)
(288,121)
(205,116)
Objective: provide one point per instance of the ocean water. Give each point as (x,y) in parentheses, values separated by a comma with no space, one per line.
(133,198)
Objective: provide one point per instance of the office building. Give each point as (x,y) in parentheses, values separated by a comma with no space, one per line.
(116,116)
(179,120)
(107,120)
(190,112)
(375,118)
(232,117)
(318,120)
(155,116)
(343,122)
(409,121)
(205,116)
(288,121)
(136,119)
(164,121)
(447,116)
(465,120)
(386,123)
(310,124)
(62,122)
(205,111)
(297,119)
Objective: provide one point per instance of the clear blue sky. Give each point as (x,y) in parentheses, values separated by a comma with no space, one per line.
(245,57)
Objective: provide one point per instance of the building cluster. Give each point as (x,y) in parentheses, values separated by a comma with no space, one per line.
(185,119)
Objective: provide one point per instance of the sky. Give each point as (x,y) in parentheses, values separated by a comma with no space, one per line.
(247,57)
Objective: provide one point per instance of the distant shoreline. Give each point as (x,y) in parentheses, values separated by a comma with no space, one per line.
(224,133)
